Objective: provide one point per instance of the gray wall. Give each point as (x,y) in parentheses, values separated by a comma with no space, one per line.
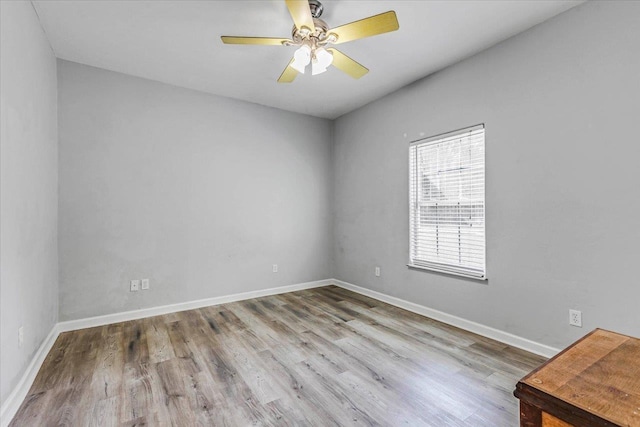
(560,103)
(28,190)
(199,193)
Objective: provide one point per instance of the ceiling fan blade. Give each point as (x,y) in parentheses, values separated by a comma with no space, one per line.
(343,63)
(367,27)
(288,75)
(254,40)
(301,14)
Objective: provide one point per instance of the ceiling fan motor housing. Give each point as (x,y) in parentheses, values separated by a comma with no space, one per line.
(320,33)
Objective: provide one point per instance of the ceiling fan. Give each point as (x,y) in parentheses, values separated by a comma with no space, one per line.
(313,35)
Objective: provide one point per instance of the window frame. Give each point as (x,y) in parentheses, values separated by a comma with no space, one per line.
(448,269)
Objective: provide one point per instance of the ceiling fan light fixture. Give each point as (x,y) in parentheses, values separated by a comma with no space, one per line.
(301,58)
(311,34)
(322,59)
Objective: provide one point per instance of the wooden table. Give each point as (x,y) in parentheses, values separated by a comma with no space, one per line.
(594,382)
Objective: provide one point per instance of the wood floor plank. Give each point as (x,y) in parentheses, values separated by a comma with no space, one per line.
(33,409)
(317,357)
(158,341)
(251,369)
(105,413)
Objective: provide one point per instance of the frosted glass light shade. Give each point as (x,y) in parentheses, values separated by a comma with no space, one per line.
(301,58)
(322,60)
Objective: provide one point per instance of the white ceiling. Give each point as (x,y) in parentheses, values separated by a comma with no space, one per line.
(178,42)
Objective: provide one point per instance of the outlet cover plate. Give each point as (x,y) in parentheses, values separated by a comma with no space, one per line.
(135,285)
(145,284)
(575,318)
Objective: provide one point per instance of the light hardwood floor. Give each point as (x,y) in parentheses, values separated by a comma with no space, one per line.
(325,356)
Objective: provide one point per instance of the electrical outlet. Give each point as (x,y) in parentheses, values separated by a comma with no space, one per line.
(377,271)
(20,336)
(575,318)
(275,268)
(135,285)
(144,284)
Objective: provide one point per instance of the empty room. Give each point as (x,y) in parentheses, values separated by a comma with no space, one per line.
(319,213)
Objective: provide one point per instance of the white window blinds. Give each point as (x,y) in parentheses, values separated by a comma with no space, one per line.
(446,197)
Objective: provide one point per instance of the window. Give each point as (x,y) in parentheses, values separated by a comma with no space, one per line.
(446,198)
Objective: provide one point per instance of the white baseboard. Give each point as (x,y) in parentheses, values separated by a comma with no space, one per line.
(14,400)
(468,325)
(17,396)
(90,322)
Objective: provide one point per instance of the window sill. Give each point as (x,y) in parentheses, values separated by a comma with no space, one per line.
(450,273)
